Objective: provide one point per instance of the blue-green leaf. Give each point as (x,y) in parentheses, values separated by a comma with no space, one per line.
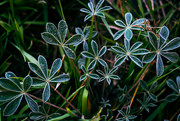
(159,66)
(10,76)
(61,78)
(118,34)
(37,116)
(69,52)
(153,39)
(171,45)
(120,60)
(94,47)
(85,10)
(118,49)
(12,106)
(102,51)
(164,32)
(128,34)
(92,65)
(149,57)
(178,118)
(113,70)
(43,65)
(144,85)
(94,76)
(171,56)
(87,17)
(127,44)
(128,18)
(50,38)
(62,28)
(108,81)
(83,77)
(114,77)
(46,92)
(136,45)
(171,98)
(78,30)
(87,54)
(8,95)
(51,28)
(105,8)
(32,103)
(140,51)
(100,14)
(37,81)
(102,62)
(136,60)
(99,4)
(152,96)
(9,85)
(74,39)
(85,46)
(83,68)
(55,67)
(153,86)
(27,82)
(120,23)
(101,79)
(36,70)
(100,72)
(178,81)
(172,85)
(90,5)
(138,21)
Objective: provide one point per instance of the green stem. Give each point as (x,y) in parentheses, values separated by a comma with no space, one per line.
(91,29)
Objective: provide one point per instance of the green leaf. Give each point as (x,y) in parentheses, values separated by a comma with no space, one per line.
(83,77)
(7,95)
(99,4)
(171,97)
(92,65)
(62,28)
(115,77)
(87,54)
(127,44)
(6,26)
(35,116)
(128,18)
(12,106)
(94,47)
(10,76)
(27,82)
(36,70)
(87,17)
(94,76)
(171,56)
(140,51)
(178,81)
(50,38)
(84,101)
(85,10)
(113,70)
(149,57)
(144,85)
(55,67)
(138,21)
(74,39)
(105,8)
(69,52)
(128,34)
(120,60)
(121,112)
(172,85)
(102,62)
(83,68)
(61,78)
(118,49)
(37,81)
(136,60)
(100,14)
(118,34)
(51,28)
(159,66)
(43,65)
(46,92)
(32,103)
(153,39)
(171,45)
(120,23)
(78,30)
(164,32)
(9,85)
(153,86)
(132,117)
(178,118)
(153,97)
(91,6)
(101,79)
(100,72)
(108,80)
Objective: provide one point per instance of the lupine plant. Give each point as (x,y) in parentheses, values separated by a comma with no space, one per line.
(77,93)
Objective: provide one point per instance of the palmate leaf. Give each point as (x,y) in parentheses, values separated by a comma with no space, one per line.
(120,23)
(99,4)
(102,51)
(105,8)
(62,28)
(178,81)
(83,77)
(43,65)
(118,34)
(101,72)
(171,56)
(149,57)
(50,38)
(74,40)
(8,95)
(144,85)
(153,39)
(172,85)
(78,30)
(128,34)
(135,46)
(171,97)
(87,54)
(12,106)
(91,6)
(92,65)
(128,18)
(37,81)
(94,76)
(9,85)
(118,49)
(159,66)
(32,103)
(120,60)
(140,51)
(51,28)
(138,21)
(114,77)
(102,62)
(108,80)
(126,44)
(94,47)
(10,76)
(46,92)
(171,45)
(61,78)
(27,82)
(164,32)
(136,60)
(113,70)
(55,67)
(100,14)
(85,10)
(153,97)
(69,52)
(88,16)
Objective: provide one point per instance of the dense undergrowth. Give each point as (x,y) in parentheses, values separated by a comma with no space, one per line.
(89,60)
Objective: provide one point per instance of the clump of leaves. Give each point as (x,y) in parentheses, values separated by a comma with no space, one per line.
(161,49)
(95,10)
(15,92)
(44,77)
(175,87)
(96,56)
(108,75)
(56,36)
(129,52)
(128,27)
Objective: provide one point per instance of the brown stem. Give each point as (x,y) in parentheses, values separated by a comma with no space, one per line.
(64,98)
(104,85)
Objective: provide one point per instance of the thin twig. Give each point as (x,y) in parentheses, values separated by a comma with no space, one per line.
(75,67)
